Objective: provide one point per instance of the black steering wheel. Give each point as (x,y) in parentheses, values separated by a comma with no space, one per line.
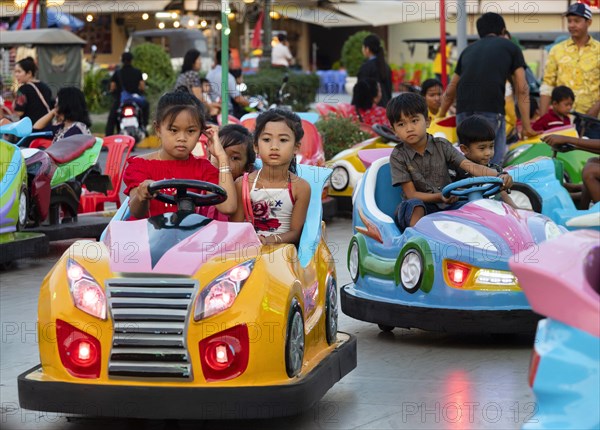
(386,132)
(473,188)
(214,194)
(563,147)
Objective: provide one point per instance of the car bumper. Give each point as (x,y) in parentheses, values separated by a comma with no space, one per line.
(438,319)
(163,402)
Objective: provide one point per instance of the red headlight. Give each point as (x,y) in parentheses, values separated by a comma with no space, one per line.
(457,273)
(225,355)
(80,353)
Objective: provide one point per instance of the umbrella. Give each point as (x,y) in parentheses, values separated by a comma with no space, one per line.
(56,18)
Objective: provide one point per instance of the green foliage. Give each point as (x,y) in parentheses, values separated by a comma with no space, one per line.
(337,65)
(95,89)
(154,61)
(352,56)
(302,87)
(339,133)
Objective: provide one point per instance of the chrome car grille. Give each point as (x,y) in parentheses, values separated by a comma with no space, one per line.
(150,318)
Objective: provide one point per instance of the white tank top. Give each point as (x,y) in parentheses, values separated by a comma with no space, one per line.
(272,208)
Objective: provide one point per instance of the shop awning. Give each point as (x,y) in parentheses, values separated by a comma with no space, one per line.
(319,16)
(387,12)
(94,7)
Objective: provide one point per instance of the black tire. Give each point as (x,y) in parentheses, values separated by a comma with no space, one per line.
(23,209)
(385,328)
(331,310)
(294,340)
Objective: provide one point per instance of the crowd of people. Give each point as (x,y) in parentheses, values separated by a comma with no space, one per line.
(273,198)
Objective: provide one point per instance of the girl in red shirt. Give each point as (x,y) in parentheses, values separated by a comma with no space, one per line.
(179,122)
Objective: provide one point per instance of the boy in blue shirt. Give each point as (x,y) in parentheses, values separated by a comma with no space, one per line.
(421,162)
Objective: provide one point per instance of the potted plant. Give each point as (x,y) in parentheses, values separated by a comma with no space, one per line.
(339,133)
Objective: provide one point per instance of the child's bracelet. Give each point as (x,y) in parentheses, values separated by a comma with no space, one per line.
(225,169)
(277,238)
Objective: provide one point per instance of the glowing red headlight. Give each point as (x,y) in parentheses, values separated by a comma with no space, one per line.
(79,352)
(457,273)
(225,355)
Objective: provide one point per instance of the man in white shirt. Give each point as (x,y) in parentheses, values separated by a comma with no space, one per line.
(280,54)
(214,78)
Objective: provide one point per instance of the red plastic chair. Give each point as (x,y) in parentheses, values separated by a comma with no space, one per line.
(93,201)
(416,79)
(230,120)
(40,143)
(311,148)
(325,109)
(249,123)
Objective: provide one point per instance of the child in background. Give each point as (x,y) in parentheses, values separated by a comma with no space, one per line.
(558,116)
(365,96)
(237,142)
(179,123)
(421,162)
(274,198)
(476,138)
(70,113)
(432,90)
(214,107)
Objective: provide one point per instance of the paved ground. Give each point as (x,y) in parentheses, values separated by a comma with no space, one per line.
(405,379)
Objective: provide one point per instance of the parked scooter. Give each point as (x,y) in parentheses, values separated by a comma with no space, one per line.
(260,103)
(130,119)
(55,177)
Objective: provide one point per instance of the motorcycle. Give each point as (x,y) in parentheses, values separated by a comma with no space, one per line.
(55,178)
(130,119)
(260,103)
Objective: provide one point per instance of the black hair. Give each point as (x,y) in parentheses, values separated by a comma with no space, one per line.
(362,95)
(204,81)
(220,56)
(490,23)
(428,84)
(127,58)
(175,102)
(561,93)
(189,59)
(374,44)
(71,105)
(282,37)
(28,65)
(405,87)
(475,129)
(406,104)
(235,134)
(292,120)
(236,73)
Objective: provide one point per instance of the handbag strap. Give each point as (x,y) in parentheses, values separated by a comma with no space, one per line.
(246,202)
(40,96)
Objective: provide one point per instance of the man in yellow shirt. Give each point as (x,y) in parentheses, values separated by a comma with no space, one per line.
(574,63)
